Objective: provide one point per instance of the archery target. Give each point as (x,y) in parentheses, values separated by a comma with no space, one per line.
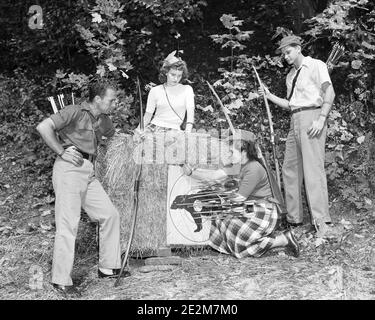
(184,227)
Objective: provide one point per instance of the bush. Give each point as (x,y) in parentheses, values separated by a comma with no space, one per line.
(19,115)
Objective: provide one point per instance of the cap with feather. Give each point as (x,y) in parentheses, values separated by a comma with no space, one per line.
(172,58)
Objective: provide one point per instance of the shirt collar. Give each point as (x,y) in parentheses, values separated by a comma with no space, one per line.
(88,107)
(306,61)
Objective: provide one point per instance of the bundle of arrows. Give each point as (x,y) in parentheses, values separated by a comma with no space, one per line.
(336,53)
(60,99)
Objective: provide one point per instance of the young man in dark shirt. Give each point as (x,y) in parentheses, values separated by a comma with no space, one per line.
(80,129)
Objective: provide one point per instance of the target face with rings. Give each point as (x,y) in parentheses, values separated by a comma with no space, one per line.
(185,224)
(191,207)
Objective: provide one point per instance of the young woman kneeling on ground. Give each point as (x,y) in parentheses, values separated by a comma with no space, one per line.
(251,235)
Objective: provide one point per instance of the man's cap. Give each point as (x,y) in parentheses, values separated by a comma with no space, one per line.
(289,40)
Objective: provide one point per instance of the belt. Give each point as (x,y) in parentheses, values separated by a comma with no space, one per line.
(304,109)
(87,156)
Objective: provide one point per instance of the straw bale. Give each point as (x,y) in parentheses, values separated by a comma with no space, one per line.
(116,168)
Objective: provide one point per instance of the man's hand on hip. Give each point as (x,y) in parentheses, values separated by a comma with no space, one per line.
(316,128)
(73,156)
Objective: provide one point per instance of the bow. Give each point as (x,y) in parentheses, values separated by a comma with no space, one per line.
(275,189)
(225,110)
(135,194)
(272,138)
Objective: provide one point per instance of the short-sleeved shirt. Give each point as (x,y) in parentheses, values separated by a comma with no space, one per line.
(308,88)
(78,127)
(164,115)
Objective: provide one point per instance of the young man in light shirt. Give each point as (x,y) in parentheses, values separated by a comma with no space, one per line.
(310,96)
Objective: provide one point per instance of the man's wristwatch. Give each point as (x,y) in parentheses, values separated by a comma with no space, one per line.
(61,153)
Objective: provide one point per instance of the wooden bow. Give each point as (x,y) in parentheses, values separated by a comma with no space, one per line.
(135,194)
(225,110)
(272,134)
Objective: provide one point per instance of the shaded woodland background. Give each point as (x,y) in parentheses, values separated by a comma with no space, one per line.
(81,40)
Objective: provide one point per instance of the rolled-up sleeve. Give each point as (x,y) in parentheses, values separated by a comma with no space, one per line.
(322,73)
(65,116)
(151,101)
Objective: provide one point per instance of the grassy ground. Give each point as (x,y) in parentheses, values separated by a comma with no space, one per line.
(342,268)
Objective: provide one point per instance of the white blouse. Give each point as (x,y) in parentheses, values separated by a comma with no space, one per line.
(164,115)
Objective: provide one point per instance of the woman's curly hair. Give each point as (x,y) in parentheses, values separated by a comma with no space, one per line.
(179,65)
(249,147)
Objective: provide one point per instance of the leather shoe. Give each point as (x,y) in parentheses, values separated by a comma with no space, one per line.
(294,225)
(115,274)
(292,245)
(67,290)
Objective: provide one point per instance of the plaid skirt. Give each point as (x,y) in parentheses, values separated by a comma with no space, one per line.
(245,236)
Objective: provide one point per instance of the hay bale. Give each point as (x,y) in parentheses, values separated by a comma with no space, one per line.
(117,169)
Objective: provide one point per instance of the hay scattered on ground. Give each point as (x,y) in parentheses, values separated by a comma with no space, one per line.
(26,262)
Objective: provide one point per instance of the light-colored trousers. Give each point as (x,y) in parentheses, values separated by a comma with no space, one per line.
(77,187)
(304,161)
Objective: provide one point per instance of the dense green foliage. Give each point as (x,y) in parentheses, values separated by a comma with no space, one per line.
(86,39)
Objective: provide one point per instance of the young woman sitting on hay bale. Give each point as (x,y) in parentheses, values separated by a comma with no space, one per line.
(252,234)
(171,101)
